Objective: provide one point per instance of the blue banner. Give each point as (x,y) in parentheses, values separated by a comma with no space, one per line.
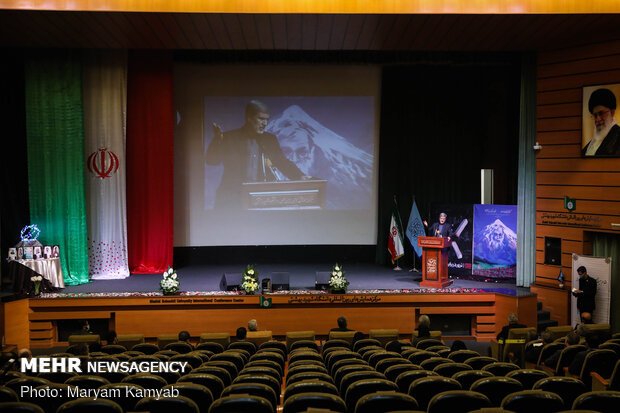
(415,229)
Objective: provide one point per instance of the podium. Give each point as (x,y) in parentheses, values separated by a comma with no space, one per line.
(435,257)
(304,194)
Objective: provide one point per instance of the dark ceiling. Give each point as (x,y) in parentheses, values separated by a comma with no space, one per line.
(442,32)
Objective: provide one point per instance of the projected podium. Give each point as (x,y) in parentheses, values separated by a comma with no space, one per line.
(307,194)
(435,257)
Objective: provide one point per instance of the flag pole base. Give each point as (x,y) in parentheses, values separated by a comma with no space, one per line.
(397,268)
(414,270)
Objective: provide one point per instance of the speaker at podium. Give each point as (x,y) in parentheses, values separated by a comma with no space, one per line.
(231,281)
(321,281)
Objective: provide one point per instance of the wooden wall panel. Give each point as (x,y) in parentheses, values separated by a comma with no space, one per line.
(561,171)
(16,326)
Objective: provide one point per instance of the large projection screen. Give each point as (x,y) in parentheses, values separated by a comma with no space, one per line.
(300,168)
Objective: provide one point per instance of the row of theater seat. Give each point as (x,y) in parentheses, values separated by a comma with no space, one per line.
(361,377)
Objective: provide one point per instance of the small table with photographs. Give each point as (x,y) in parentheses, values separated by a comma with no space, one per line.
(49,268)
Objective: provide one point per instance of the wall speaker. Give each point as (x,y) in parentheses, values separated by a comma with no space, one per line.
(553,251)
(230,282)
(280,281)
(321,281)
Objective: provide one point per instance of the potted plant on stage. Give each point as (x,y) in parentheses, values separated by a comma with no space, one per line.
(337,281)
(250,280)
(36,283)
(169,284)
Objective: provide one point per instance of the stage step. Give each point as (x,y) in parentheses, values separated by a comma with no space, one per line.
(543,318)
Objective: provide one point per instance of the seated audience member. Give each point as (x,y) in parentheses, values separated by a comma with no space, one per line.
(184,337)
(533,351)
(83,328)
(582,330)
(111,337)
(342,324)
(252,325)
(458,345)
(242,332)
(81,349)
(10,361)
(24,353)
(513,322)
(571,338)
(424,328)
(592,342)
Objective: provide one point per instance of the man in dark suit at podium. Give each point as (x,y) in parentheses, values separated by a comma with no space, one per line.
(441,228)
(248,154)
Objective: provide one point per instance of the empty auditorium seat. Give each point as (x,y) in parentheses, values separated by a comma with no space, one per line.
(197,393)
(180,347)
(87,381)
(304,401)
(500,368)
(424,388)
(381,355)
(337,343)
(568,388)
(57,376)
(211,346)
(468,377)
(343,336)
(477,363)
(600,401)
(457,401)
(221,338)
(229,366)
(385,401)
(262,370)
(419,356)
(350,378)
(293,336)
(84,338)
(129,340)
(47,401)
(210,381)
(431,363)
(528,401)
(254,389)
(304,368)
(20,407)
(392,372)
(344,370)
(496,388)
(383,364)
(244,345)
(460,356)
(347,362)
(113,349)
(177,404)
(449,369)
(266,363)
(404,380)
(309,386)
(258,337)
(259,378)
(428,342)
(360,388)
(90,405)
(527,377)
(8,395)
(559,331)
(235,358)
(383,335)
(309,375)
(365,342)
(146,380)
(241,403)
(275,357)
(146,348)
(274,344)
(220,372)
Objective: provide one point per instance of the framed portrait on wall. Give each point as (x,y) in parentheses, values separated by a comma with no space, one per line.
(600,132)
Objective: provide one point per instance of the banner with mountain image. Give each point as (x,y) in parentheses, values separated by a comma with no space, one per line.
(495,241)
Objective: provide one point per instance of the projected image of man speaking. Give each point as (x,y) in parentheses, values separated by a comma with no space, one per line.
(248,154)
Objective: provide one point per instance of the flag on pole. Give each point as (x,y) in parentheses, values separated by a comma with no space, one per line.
(395,242)
(415,229)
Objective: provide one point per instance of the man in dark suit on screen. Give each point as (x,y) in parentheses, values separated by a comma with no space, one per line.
(248,154)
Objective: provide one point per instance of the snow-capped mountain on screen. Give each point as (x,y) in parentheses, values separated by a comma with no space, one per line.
(496,243)
(320,152)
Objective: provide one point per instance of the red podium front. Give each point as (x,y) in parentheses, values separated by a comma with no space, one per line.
(435,256)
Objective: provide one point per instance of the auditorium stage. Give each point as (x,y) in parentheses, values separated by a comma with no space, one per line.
(205,278)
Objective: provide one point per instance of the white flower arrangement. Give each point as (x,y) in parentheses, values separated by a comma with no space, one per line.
(337,280)
(250,279)
(36,280)
(170,283)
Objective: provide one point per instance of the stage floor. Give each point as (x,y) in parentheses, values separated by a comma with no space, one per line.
(301,277)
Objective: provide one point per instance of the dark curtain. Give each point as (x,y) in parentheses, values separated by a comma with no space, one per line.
(441,124)
(14,186)
(149,161)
